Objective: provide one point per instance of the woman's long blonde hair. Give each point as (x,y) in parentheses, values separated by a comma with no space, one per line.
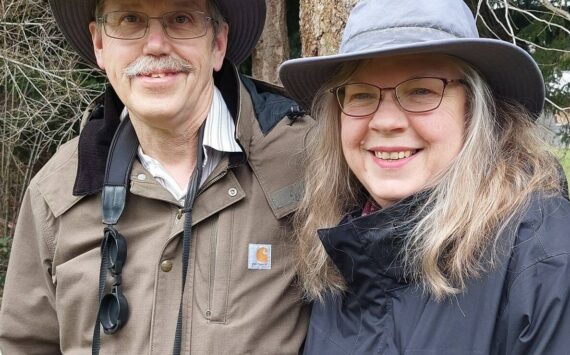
(502,162)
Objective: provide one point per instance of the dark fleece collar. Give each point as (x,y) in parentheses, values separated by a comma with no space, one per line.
(94,142)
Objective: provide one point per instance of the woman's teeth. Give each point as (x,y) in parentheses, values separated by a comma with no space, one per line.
(393,155)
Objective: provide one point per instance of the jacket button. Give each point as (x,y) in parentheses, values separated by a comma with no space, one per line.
(166,265)
(232,192)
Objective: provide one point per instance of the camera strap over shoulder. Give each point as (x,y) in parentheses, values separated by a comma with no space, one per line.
(119,163)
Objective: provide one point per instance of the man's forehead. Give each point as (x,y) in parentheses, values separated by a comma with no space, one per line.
(138,4)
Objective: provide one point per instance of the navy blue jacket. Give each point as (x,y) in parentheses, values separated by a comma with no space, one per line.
(519,307)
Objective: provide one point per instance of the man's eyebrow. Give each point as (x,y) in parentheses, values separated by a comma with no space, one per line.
(188,4)
(125,6)
(136,5)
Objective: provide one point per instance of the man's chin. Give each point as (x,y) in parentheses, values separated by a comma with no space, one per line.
(153,110)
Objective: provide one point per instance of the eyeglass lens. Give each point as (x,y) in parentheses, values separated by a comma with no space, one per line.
(133,25)
(414,95)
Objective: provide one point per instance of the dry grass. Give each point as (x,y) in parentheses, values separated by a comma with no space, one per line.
(43,90)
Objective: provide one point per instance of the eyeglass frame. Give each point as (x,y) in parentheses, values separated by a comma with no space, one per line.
(102,20)
(445,82)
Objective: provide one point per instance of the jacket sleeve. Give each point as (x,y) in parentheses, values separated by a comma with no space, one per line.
(537,313)
(28,321)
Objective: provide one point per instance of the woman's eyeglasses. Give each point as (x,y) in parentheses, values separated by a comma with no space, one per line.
(415,95)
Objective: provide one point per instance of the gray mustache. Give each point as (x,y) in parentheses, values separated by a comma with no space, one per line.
(149,64)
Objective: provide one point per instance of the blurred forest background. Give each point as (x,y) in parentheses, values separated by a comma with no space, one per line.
(44,86)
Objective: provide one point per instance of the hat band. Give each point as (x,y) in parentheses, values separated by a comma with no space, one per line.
(386,38)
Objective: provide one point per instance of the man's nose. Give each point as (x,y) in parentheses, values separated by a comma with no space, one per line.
(157,41)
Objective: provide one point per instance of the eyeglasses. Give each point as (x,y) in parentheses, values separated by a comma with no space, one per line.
(134,25)
(113,309)
(416,95)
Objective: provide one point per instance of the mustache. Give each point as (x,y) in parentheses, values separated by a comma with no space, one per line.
(148,64)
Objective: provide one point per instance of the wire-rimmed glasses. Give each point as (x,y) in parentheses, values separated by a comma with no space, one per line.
(417,95)
(132,25)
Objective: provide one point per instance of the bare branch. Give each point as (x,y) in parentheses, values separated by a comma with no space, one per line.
(538,19)
(548,4)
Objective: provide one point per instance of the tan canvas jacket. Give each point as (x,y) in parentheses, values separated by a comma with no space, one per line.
(51,295)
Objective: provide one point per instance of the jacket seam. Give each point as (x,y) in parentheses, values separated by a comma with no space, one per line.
(330,339)
(538,261)
(47,231)
(227,315)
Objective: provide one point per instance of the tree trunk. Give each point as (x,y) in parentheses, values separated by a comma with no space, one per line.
(273,46)
(322,24)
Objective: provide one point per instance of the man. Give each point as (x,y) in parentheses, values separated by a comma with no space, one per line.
(181,106)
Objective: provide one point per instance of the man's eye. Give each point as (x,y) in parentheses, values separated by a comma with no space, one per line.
(182,18)
(130,18)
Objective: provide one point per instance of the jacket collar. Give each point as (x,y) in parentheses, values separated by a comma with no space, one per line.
(94,142)
(367,250)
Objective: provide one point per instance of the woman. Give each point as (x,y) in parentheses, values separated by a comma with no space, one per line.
(433,220)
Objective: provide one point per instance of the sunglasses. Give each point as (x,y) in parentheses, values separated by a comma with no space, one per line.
(113,308)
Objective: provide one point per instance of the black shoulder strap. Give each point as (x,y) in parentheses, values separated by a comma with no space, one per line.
(119,163)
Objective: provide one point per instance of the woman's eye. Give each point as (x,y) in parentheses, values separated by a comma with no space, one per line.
(421,92)
(361,96)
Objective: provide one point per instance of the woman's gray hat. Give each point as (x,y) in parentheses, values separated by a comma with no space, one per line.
(384,28)
(246,20)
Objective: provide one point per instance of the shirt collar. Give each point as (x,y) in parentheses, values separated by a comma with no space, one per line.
(219,132)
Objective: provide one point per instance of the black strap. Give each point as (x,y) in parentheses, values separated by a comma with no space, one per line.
(187,237)
(119,163)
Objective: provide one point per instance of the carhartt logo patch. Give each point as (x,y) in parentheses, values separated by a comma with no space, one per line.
(259,257)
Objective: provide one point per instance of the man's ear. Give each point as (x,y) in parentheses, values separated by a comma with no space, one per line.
(97,39)
(220,46)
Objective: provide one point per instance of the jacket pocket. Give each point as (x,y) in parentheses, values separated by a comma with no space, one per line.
(219,272)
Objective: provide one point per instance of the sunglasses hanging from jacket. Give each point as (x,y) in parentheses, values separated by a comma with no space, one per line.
(113,310)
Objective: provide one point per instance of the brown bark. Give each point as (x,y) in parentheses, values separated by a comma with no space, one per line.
(273,46)
(322,24)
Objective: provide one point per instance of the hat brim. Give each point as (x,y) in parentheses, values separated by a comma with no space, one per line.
(510,71)
(246,24)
